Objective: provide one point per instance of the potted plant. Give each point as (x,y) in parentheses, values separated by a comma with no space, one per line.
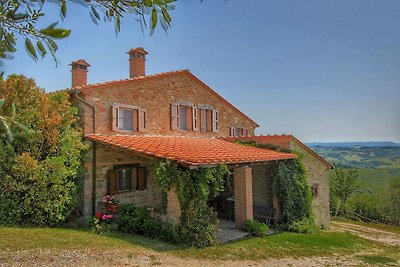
(112,203)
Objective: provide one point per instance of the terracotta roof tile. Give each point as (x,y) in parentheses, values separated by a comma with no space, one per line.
(191,150)
(278,140)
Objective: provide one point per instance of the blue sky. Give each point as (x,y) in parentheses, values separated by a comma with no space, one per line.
(321,70)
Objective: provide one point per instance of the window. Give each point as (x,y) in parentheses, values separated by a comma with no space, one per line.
(236,131)
(186,117)
(315,190)
(128,118)
(125,178)
(183,116)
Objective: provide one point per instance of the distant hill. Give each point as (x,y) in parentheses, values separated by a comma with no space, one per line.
(352,144)
(361,156)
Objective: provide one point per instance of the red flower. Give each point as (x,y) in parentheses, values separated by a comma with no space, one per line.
(98,214)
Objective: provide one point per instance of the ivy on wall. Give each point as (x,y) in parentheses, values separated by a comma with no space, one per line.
(193,187)
(291,187)
(294,193)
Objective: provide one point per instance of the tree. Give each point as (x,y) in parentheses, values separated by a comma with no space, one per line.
(20,17)
(343,184)
(393,203)
(39,175)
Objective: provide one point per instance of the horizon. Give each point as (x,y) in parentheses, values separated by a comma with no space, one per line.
(320,71)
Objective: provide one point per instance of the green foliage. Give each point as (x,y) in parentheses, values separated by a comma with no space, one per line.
(39,173)
(343,184)
(20,18)
(193,187)
(393,205)
(293,191)
(305,226)
(134,220)
(256,228)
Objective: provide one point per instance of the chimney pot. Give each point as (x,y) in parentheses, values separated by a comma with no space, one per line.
(137,59)
(79,69)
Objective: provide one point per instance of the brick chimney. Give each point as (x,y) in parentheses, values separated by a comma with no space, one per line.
(137,59)
(79,72)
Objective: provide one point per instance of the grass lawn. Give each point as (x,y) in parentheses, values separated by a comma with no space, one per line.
(282,245)
(23,238)
(324,243)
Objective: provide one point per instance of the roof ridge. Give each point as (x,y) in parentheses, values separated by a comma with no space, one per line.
(121,80)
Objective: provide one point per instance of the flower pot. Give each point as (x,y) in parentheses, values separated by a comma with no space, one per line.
(112,207)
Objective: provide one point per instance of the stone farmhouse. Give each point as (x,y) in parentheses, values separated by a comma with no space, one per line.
(174,115)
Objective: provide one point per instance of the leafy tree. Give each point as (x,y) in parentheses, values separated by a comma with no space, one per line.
(38,178)
(20,17)
(393,205)
(343,184)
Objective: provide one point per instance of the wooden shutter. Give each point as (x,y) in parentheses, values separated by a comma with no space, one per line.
(195,122)
(231,131)
(112,182)
(174,117)
(209,120)
(189,118)
(142,120)
(215,121)
(114,118)
(203,120)
(245,132)
(142,179)
(134,182)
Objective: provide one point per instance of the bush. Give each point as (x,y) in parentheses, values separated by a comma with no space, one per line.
(134,220)
(256,228)
(40,166)
(305,226)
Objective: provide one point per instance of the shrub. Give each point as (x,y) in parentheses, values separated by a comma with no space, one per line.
(256,228)
(305,226)
(134,220)
(39,168)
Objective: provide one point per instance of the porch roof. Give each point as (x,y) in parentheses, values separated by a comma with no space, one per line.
(191,151)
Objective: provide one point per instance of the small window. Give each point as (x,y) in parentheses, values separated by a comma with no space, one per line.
(315,190)
(236,131)
(128,118)
(208,120)
(183,118)
(124,179)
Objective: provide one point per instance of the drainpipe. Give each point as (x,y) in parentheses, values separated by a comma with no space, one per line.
(93,150)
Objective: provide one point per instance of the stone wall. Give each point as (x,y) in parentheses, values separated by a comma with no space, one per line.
(155,94)
(106,158)
(317,174)
(262,185)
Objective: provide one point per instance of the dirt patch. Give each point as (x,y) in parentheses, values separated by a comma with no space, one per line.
(126,257)
(370,233)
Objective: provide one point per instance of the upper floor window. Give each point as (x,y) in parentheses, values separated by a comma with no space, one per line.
(187,117)
(236,131)
(124,178)
(128,118)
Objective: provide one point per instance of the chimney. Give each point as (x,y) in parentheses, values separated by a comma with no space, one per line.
(137,59)
(79,72)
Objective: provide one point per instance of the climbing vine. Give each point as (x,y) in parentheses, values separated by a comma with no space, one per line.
(294,193)
(193,187)
(292,189)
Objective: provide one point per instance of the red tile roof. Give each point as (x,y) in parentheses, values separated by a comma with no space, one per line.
(191,151)
(157,76)
(280,141)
